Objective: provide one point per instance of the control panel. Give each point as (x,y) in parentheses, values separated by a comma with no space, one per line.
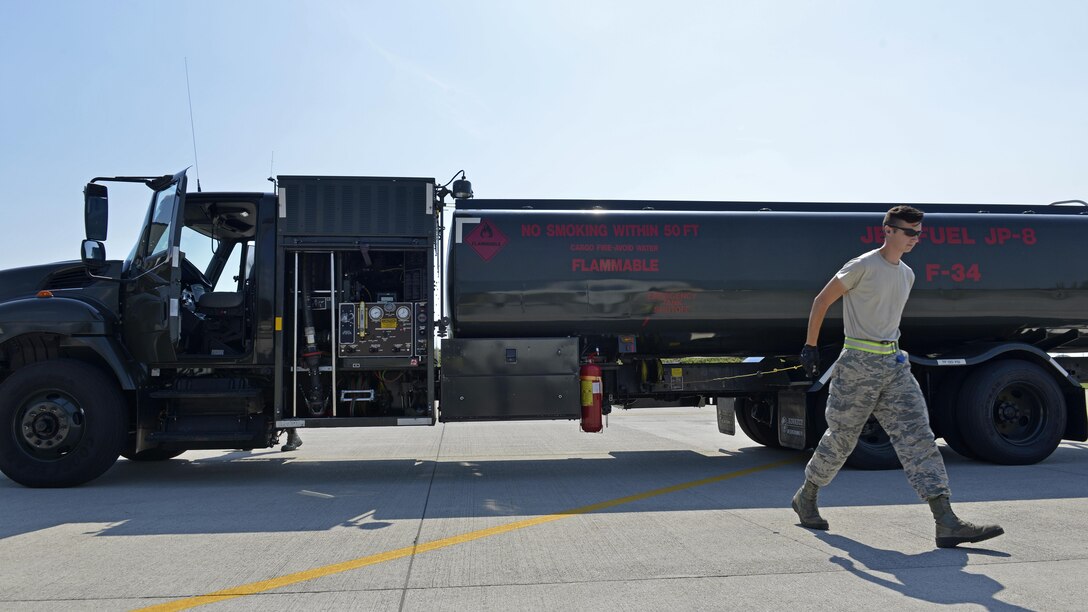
(381,329)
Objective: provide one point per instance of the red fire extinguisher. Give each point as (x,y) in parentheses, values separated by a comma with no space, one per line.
(590,377)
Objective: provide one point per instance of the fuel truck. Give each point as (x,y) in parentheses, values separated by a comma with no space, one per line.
(372,301)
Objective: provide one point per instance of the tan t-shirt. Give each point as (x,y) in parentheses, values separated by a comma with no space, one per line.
(876,292)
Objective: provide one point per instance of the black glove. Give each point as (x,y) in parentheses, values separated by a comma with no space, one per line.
(810,361)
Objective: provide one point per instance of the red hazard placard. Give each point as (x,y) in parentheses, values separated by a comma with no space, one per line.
(486,240)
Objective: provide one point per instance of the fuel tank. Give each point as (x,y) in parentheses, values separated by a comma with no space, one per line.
(739,279)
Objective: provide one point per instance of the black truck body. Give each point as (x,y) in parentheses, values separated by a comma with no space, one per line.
(738,282)
(239,315)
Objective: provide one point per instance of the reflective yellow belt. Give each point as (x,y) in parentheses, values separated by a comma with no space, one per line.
(887,347)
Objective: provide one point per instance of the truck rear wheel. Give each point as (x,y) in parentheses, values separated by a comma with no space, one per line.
(62,423)
(946,408)
(756,417)
(874,450)
(1012,412)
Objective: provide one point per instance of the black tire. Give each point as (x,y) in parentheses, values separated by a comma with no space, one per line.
(874,450)
(151,454)
(946,409)
(62,423)
(1012,412)
(756,417)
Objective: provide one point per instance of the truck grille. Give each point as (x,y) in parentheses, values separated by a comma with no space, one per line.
(70,278)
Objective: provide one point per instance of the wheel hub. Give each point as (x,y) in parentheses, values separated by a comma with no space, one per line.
(51,425)
(1018,414)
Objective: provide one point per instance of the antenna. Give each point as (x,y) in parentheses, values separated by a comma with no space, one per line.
(192,124)
(272,172)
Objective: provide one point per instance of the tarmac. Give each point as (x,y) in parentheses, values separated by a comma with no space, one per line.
(659,512)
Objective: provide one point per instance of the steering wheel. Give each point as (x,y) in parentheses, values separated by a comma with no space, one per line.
(188,300)
(191,274)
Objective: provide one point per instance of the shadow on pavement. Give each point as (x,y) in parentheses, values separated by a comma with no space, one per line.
(935,576)
(240,492)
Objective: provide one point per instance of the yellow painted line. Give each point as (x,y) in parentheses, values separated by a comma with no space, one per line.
(319,572)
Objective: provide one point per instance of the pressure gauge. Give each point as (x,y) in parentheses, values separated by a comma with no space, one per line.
(403,313)
(375,313)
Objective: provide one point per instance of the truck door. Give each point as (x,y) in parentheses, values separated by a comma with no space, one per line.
(151,309)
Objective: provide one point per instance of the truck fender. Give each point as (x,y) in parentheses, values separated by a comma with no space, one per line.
(113,356)
(77,324)
(986,352)
(975,355)
(1076,427)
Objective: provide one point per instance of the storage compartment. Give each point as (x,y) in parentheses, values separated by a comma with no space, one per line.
(328,206)
(504,379)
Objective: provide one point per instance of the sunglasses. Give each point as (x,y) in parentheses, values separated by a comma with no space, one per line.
(910,233)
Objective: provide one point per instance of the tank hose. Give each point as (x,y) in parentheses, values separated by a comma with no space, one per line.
(311,356)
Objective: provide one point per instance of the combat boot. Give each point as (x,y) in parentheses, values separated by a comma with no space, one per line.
(804,504)
(952,531)
(293,441)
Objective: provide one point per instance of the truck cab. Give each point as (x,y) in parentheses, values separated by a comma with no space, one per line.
(189,291)
(235,316)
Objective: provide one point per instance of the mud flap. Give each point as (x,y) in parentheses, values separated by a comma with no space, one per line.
(791,419)
(727,423)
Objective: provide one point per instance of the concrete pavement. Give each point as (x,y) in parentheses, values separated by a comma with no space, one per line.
(661,512)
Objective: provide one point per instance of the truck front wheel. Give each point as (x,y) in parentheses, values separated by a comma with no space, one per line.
(62,423)
(1012,412)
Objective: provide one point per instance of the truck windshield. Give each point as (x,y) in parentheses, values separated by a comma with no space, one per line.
(151,249)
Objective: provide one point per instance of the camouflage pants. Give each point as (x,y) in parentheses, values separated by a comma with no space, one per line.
(864,384)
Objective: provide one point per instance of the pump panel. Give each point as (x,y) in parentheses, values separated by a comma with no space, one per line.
(378,329)
(358,256)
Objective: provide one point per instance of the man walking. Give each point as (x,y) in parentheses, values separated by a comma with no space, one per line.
(293,440)
(872,377)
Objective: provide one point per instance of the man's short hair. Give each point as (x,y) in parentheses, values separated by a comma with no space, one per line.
(907,214)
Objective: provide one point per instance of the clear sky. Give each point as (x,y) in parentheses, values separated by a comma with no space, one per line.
(927,101)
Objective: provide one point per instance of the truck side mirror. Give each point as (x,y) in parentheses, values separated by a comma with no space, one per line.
(94,254)
(96,206)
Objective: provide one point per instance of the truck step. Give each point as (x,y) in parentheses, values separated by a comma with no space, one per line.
(202,436)
(186,394)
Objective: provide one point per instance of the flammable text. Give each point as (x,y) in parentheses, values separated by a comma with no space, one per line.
(614,265)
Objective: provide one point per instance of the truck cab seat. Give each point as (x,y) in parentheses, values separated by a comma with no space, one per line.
(222,329)
(220,301)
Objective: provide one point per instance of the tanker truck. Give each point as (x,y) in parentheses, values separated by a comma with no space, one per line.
(372,301)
